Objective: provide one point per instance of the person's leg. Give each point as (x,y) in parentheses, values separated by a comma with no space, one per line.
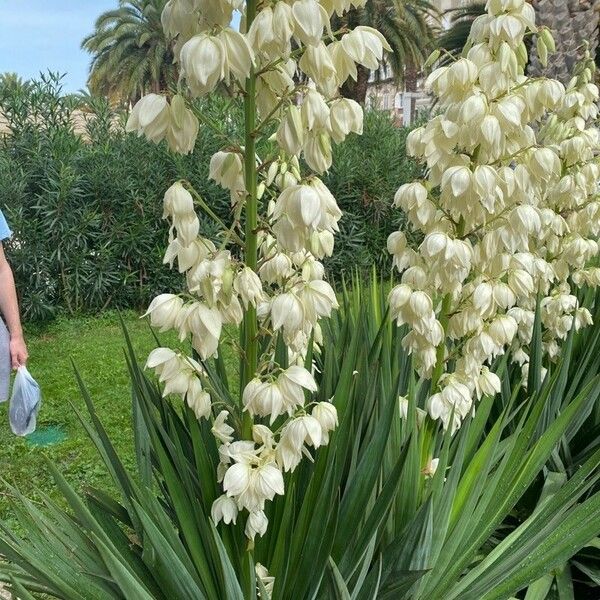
(5,365)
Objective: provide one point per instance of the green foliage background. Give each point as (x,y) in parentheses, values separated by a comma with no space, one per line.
(86,204)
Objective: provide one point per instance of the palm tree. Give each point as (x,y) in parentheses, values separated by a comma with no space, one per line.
(130,52)
(454,39)
(573,23)
(10,83)
(408,27)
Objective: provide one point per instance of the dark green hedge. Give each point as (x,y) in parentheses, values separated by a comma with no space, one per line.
(86,210)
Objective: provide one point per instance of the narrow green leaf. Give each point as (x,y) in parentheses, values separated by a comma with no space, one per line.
(338,585)
(539,589)
(130,585)
(232,589)
(174,562)
(17,588)
(534,379)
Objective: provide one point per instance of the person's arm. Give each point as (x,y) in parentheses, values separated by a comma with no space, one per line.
(9,307)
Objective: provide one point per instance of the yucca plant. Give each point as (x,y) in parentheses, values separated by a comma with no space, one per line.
(315,471)
(362,521)
(492,489)
(577,444)
(125,537)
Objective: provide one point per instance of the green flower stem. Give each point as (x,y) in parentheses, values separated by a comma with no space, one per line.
(431,425)
(250,359)
(428,437)
(206,120)
(230,233)
(276,108)
(438,370)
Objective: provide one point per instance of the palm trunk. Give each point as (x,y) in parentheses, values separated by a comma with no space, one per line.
(573,23)
(357,90)
(411,77)
(411,80)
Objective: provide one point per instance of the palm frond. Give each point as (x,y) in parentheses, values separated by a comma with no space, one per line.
(130,53)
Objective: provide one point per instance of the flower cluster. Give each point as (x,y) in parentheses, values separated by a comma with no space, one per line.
(288,66)
(507,215)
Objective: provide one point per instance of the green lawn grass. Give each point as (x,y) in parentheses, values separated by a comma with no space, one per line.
(96,346)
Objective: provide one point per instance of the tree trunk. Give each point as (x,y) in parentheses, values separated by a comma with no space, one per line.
(572,23)
(411,81)
(357,90)
(411,77)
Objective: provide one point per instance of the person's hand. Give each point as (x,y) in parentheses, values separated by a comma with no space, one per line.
(18,352)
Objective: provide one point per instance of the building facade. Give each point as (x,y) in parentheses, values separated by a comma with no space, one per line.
(406,104)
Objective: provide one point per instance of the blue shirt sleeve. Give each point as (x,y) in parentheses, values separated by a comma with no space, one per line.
(5,232)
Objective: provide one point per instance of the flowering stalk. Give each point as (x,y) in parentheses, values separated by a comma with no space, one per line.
(278,292)
(250,361)
(507,213)
(440,354)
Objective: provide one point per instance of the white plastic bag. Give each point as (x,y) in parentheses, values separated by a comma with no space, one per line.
(24,403)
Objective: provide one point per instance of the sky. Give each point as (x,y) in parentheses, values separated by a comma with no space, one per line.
(37,35)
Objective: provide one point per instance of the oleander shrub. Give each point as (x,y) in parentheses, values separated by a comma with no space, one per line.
(81,197)
(364,178)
